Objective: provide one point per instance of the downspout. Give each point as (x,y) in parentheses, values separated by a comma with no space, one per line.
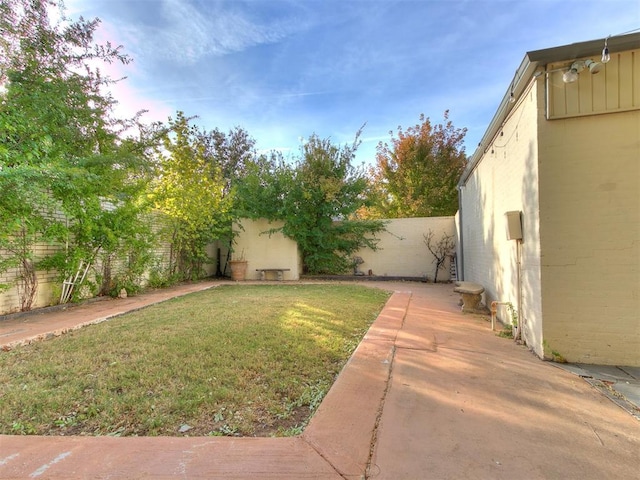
(519,289)
(514,232)
(460,263)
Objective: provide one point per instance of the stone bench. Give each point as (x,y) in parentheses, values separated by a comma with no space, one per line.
(278,271)
(471,296)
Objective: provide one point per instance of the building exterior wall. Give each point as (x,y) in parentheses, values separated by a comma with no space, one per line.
(506,179)
(262,250)
(402,251)
(590,237)
(567,156)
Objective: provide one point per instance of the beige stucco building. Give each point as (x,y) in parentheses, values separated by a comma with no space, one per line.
(564,151)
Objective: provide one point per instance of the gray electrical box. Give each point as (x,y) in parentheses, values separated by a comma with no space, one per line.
(514,225)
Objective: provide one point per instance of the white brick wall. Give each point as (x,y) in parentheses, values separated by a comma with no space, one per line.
(505,180)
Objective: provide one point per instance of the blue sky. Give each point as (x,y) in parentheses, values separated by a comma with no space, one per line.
(283,70)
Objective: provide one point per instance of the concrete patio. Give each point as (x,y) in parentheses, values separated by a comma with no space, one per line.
(429,393)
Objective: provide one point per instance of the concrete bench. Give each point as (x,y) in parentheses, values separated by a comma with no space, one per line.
(471,295)
(279,271)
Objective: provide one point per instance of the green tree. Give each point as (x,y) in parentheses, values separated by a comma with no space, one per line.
(416,175)
(190,191)
(70,175)
(229,153)
(317,197)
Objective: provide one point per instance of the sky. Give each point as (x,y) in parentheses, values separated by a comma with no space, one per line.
(286,69)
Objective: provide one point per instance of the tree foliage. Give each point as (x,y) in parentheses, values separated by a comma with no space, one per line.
(191,191)
(229,154)
(317,197)
(67,174)
(416,174)
(21,226)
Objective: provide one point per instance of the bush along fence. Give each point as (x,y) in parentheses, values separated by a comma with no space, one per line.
(45,273)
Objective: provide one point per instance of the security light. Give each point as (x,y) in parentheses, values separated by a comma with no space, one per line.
(571,75)
(594,67)
(578,66)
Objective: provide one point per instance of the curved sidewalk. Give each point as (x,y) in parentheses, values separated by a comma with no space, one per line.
(428,393)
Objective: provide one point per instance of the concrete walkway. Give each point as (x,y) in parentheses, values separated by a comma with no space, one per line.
(429,393)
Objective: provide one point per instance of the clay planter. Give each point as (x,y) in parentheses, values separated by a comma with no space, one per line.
(238,270)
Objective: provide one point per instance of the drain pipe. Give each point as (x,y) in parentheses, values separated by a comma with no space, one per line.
(520,328)
(460,262)
(517,335)
(515,232)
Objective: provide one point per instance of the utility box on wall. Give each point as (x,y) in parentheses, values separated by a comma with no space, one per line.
(514,225)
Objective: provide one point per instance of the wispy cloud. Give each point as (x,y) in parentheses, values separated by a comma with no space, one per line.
(284,69)
(189,33)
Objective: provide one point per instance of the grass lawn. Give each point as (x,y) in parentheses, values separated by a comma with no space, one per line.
(234,360)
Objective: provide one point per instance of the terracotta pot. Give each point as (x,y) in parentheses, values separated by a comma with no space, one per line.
(238,270)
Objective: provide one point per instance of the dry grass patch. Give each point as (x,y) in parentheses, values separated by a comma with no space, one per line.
(235,360)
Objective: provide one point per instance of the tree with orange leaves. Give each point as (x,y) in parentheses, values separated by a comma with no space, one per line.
(416,174)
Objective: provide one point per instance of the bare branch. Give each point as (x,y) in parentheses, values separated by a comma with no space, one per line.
(440,250)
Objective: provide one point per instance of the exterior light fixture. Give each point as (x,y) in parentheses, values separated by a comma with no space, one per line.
(571,75)
(576,67)
(605,52)
(594,67)
(512,98)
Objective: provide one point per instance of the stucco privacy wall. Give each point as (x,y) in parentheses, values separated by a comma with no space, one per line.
(506,179)
(262,250)
(590,236)
(402,251)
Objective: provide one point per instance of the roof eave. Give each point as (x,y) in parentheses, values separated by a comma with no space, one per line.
(530,63)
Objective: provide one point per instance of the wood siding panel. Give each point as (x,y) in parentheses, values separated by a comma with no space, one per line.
(616,88)
(598,92)
(626,81)
(612,87)
(572,98)
(585,95)
(635,73)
